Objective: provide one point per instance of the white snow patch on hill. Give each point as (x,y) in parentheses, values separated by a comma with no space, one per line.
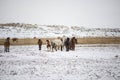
(44,31)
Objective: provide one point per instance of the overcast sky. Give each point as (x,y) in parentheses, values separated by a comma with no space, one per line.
(88,13)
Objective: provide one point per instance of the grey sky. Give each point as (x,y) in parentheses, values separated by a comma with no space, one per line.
(89,13)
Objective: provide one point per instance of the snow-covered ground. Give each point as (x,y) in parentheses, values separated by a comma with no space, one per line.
(87,62)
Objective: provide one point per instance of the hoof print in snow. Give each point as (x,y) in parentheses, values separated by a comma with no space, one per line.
(13,73)
(116,56)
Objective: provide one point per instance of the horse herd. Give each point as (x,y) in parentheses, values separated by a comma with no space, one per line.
(59,44)
(52,45)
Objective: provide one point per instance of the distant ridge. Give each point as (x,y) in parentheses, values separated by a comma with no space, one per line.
(23,30)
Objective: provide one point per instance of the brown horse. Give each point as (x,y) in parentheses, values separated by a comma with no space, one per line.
(7,45)
(73,41)
(15,39)
(48,45)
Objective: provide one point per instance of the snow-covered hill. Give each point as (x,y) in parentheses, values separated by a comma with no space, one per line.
(30,31)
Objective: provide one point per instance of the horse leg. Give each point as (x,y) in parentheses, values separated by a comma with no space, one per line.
(53,47)
(40,47)
(67,48)
(74,47)
(56,48)
(50,48)
(47,48)
(61,48)
(5,49)
(8,49)
(70,46)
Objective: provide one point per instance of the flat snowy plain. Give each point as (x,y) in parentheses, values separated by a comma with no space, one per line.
(87,62)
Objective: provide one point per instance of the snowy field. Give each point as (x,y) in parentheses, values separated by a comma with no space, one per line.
(87,62)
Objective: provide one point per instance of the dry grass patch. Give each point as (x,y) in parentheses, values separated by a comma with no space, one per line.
(87,40)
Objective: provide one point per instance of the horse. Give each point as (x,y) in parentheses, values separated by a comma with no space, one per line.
(53,45)
(7,45)
(15,39)
(39,43)
(73,41)
(67,44)
(48,45)
(57,44)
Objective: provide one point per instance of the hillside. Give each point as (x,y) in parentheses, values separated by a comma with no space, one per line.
(22,30)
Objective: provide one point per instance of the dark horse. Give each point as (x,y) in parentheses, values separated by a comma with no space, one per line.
(7,45)
(15,39)
(39,43)
(73,41)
